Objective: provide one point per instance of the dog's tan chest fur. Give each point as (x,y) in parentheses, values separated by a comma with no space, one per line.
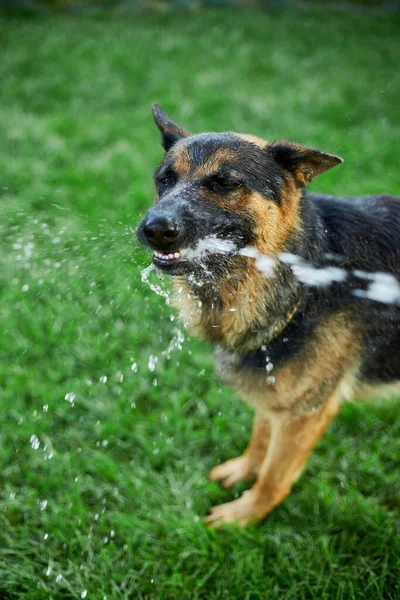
(239,306)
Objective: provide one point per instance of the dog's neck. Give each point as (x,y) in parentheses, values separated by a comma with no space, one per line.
(240,311)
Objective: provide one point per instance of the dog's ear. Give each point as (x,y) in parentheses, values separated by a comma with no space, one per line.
(303,163)
(170,131)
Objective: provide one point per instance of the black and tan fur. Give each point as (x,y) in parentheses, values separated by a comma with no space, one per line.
(292,351)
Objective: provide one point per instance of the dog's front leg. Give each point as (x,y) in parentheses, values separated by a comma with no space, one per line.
(291,441)
(246,467)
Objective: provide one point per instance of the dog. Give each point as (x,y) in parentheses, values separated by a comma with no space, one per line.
(297,291)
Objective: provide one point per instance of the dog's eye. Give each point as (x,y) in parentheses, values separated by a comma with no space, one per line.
(166,180)
(219,183)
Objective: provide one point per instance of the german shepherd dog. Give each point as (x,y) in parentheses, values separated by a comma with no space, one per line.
(292,345)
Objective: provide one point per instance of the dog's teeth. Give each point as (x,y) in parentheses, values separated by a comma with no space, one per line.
(166,256)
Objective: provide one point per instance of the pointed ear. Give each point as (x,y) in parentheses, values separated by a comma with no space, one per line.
(303,163)
(170,131)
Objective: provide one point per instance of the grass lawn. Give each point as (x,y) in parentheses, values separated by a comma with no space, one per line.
(103,461)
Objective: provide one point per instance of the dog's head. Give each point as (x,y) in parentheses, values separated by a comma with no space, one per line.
(219,192)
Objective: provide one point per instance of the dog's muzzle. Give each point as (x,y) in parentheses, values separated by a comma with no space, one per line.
(161,233)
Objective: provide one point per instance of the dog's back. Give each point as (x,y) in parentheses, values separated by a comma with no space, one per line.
(363,230)
(363,234)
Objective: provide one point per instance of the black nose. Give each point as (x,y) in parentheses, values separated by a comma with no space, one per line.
(161,232)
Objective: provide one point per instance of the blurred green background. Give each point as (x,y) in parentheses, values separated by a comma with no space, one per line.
(104,460)
(138,6)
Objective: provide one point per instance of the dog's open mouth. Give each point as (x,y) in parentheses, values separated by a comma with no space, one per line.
(188,258)
(168,260)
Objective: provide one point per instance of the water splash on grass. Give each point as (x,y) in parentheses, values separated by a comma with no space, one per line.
(175,343)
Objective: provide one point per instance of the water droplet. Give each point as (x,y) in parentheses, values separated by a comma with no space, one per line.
(34,440)
(134,367)
(25,287)
(43,505)
(103,379)
(70,397)
(84,594)
(153,360)
(28,249)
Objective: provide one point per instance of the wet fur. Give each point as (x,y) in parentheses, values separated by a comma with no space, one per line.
(335,346)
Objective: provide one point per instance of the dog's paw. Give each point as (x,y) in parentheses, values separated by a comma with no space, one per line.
(232,471)
(243,511)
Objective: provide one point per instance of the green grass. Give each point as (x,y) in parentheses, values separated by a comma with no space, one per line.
(110,495)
